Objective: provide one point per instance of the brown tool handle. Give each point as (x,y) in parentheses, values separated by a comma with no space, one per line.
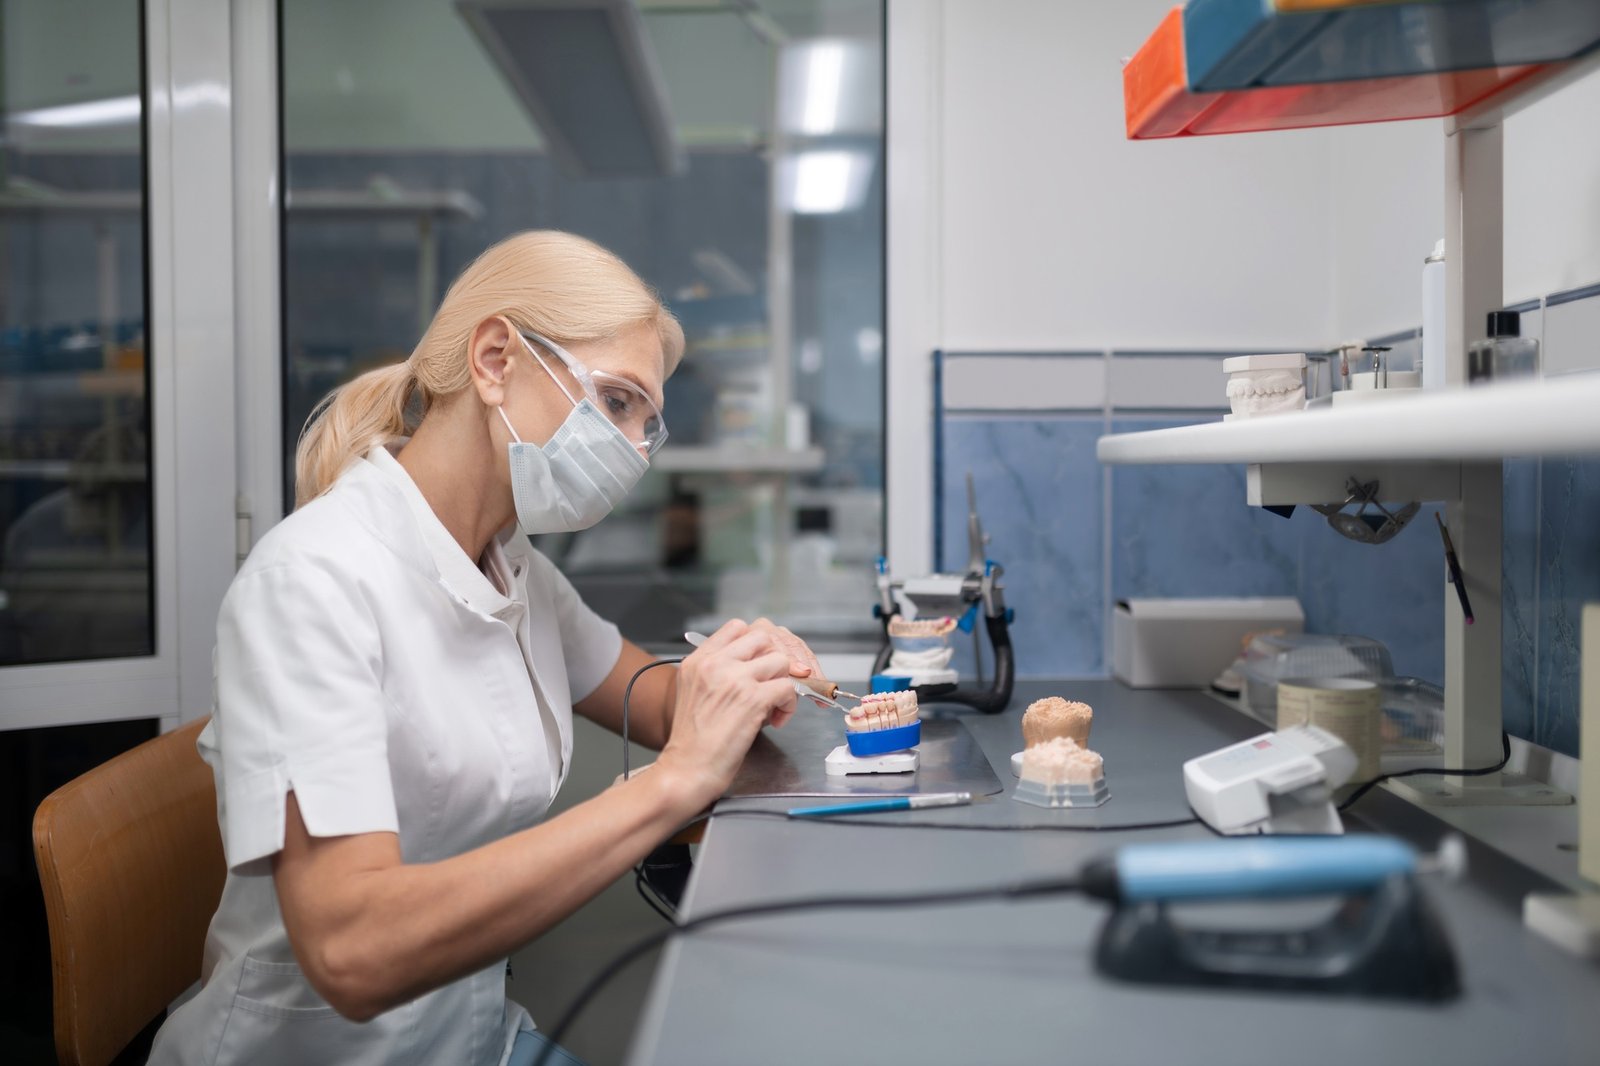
(820,685)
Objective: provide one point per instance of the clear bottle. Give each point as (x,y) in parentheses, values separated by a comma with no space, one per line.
(1505,354)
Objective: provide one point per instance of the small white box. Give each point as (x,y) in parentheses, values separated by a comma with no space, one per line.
(1187,643)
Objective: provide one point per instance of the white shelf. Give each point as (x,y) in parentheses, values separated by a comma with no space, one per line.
(1555,417)
(728,459)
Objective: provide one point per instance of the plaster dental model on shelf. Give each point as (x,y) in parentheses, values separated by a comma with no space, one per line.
(881,734)
(1261,385)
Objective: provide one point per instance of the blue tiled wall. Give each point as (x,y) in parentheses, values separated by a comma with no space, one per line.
(1075,537)
(1039,492)
(1551,569)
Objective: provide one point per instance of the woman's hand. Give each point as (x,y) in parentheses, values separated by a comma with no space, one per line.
(727,689)
(802,660)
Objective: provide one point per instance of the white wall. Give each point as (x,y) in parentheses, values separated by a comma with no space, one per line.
(1389,191)
(1058,232)
(1021,218)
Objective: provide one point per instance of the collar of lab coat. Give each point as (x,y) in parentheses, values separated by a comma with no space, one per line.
(506,554)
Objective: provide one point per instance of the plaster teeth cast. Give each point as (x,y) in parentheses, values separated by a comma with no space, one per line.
(1265,384)
(1054,717)
(1059,773)
(921,627)
(883,710)
(920,645)
(1061,762)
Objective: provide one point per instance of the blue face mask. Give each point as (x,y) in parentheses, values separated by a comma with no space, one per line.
(576,479)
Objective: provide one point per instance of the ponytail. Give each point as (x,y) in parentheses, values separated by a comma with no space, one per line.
(348,423)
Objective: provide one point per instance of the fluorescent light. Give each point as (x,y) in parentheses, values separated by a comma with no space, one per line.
(828,86)
(824,85)
(112,111)
(826,182)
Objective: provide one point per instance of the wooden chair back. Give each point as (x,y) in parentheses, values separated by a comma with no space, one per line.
(130,859)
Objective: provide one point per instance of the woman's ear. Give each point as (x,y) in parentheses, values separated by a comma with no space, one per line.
(489,359)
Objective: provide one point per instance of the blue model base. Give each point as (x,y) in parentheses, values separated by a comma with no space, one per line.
(883,741)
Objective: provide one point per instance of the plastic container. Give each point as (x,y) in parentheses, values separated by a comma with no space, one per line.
(1412,724)
(1272,657)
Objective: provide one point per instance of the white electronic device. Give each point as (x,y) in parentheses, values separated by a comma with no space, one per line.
(1279,782)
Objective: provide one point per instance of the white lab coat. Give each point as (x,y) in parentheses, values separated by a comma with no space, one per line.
(366,663)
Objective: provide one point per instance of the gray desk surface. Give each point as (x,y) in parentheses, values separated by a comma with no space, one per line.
(1014,981)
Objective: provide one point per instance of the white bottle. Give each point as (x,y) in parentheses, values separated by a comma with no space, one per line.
(1433,300)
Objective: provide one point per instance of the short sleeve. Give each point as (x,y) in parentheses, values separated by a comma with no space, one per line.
(299,707)
(590,645)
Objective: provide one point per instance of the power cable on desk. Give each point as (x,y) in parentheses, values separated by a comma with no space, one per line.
(1020,890)
(887,823)
(1482,771)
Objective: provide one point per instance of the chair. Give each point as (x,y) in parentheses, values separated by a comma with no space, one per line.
(130,859)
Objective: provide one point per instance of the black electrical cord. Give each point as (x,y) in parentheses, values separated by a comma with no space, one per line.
(1482,771)
(648,894)
(1020,890)
(888,823)
(627,696)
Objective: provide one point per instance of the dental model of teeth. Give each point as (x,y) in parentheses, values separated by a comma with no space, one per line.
(921,627)
(882,710)
(1054,717)
(1265,384)
(922,648)
(1059,773)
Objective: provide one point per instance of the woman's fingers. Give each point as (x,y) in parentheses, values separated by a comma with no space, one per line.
(726,634)
(771,666)
(803,661)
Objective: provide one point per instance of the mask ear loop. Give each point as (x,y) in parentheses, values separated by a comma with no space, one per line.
(502,412)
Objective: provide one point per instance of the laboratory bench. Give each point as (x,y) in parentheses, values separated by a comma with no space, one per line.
(1014,981)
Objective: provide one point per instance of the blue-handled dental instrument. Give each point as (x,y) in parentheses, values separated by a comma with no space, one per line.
(1257,868)
(895,803)
(1383,940)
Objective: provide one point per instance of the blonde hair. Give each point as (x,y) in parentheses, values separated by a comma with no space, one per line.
(556,284)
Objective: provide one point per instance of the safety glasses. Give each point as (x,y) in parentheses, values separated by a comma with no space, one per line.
(628,406)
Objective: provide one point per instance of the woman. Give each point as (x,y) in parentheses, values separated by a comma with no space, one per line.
(396,672)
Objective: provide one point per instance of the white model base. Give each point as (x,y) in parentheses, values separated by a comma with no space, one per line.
(1512,790)
(924,677)
(1016,764)
(840,762)
(1569,922)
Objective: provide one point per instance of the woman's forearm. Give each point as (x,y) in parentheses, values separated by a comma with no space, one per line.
(373,932)
(649,708)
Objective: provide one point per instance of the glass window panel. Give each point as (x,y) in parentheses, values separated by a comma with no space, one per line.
(75,561)
(406,154)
